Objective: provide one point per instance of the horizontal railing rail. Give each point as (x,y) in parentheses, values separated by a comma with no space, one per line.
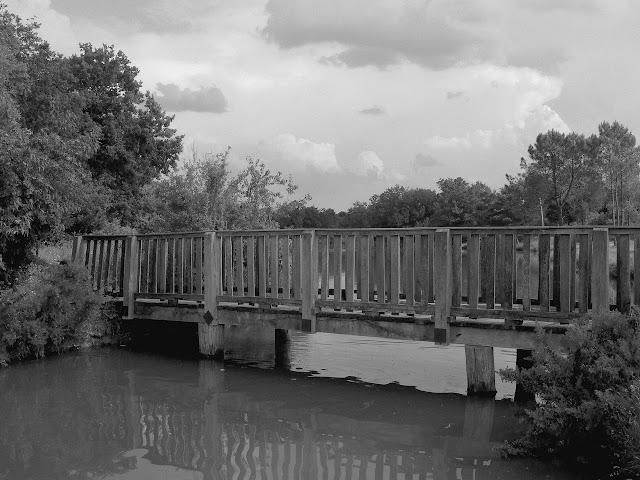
(515,273)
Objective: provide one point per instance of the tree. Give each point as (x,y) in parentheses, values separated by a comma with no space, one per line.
(619,162)
(204,195)
(559,166)
(460,204)
(135,141)
(42,174)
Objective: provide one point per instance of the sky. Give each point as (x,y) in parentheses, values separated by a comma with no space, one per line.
(352,97)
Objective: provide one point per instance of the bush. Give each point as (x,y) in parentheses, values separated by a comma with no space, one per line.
(587,396)
(52,308)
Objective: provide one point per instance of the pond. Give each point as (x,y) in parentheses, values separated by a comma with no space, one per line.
(347,408)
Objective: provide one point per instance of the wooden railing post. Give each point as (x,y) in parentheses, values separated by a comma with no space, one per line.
(309,279)
(130,285)
(77,254)
(442,279)
(600,270)
(211,276)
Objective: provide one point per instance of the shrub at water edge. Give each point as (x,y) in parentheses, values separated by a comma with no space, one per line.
(52,308)
(588,400)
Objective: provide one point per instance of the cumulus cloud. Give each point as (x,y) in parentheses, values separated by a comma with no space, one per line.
(425,160)
(540,120)
(353,57)
(368,164)
(157,16)
(301,153)
(374,110)
(455,94)
(205,99)
(437,34)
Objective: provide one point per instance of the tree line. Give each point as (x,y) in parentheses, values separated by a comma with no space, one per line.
(566,179)
(84,149)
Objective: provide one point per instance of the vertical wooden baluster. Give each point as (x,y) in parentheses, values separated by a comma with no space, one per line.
(572,275)
(600,270)
(473,262)
(394,274)
(583,273)
(420,270)
(456,269)
(179,245)
(239,270)
(357,270)
(286,262)
(636,269)
(499,269)
(363,290)
(275,269)
(349,269)
(526,272)
(295,265)
(100,262)
(188,264)
(409,270)
(162,265)
(556,272)
(198,266)
(144,265)
(380,268)
(153,265)
(372,267)
(488,269)
(508,246)
(107,266)
(337,267)
(564,272)
(623,290)
(430,278)
(88,249)
(251,266)
(171,243)
(387,266)
(228,264)
(323,242)
(115,263)
(544,255)
(261,253)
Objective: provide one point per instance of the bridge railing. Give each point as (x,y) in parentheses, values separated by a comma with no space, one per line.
(511,273)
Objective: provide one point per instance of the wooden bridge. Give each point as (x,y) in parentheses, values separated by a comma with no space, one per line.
(481,287)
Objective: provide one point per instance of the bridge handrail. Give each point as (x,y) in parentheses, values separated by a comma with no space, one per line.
(516,273)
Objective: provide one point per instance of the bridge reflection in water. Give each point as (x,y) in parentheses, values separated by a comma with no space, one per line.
(230,434)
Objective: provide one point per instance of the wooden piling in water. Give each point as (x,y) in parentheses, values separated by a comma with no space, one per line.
(282,338)
(481,375)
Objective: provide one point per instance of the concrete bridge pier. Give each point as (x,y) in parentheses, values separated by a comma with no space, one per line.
(211,340)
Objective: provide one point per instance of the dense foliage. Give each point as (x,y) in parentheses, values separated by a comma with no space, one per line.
(587,409)
(78,141)
(52,308)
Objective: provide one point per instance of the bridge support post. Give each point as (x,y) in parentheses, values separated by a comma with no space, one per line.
(600,270)
(211,340)
(282,338)
(442,279)
(481,374)
(309,281)
(130,278)
(77,253)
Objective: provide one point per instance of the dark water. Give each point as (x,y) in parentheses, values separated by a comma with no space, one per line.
(118,414)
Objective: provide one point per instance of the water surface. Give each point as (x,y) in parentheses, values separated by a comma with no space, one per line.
(118,414)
